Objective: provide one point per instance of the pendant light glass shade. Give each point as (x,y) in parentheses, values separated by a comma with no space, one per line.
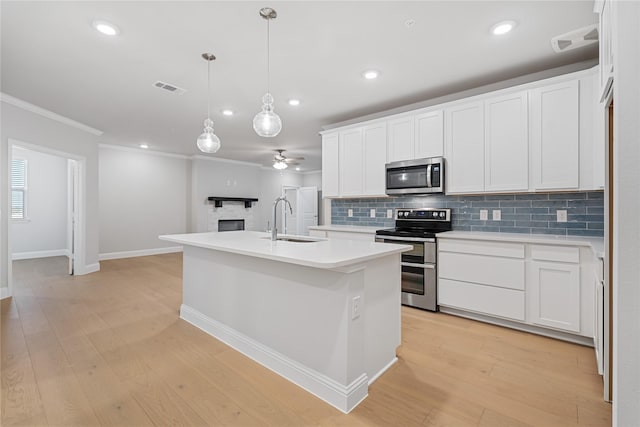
(208,142)
(267,123)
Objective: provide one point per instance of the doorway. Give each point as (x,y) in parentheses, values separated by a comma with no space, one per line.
(45,194)
(304,201)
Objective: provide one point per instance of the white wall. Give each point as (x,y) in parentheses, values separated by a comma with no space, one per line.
(28,127)
(211,176)
(142,195)
(271,183)
(45,229)
(626,216)
(312,179)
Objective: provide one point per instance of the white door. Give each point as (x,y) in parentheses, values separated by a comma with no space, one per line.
(72,208)
(506,144)
(429,135)
(351,163)
(464,148)
(290,220)
(400,139)
(374,141)
(555,127)
(308,209)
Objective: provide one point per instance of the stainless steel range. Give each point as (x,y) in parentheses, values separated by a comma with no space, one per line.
(418,228)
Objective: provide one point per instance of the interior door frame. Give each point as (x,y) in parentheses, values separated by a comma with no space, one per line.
(79,236)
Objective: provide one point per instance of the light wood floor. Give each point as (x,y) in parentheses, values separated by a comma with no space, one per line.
(109,349)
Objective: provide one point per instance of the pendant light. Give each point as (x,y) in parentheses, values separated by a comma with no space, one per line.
(267,123)
(208,142)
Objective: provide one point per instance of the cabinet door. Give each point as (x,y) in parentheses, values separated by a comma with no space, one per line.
(464,148)
(554,136)
(330,165)
(400,139)
(506,143)
(553,292)
(429,135)
(374,139)
(351,163)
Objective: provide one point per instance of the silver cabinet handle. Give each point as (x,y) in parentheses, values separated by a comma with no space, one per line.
(425,266)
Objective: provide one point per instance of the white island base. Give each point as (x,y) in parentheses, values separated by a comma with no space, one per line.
(331,330)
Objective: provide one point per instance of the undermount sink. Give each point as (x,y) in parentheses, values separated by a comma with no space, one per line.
(295,239)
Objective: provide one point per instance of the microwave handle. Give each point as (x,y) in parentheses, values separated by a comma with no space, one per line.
(429,176)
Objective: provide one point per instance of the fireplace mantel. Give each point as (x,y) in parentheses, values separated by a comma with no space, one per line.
(218,200)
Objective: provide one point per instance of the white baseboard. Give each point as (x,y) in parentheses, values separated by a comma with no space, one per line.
(342,397)
(4,293)
(87,269)
(142,252)
(39,254)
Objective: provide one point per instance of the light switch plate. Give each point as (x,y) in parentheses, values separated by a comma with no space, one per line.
(355,307)
(497,215)
(484,214)
(349,213)
(372,213)
(561,215)
(389,213)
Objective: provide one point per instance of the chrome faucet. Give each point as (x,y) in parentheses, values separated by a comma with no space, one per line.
(274,230)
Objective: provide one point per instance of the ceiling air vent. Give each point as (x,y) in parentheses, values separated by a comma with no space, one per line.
(169,88)
(575,39)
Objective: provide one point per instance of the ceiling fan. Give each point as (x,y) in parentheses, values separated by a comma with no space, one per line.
(280,161)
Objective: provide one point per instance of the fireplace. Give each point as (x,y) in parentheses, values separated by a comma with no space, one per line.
(230,224)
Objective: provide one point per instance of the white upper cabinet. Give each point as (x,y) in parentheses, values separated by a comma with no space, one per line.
(351,163)
(464,148)
(555,125)
(506,143)
(429,138)
(374,139)
(330,165)
(400,139)
(605,29)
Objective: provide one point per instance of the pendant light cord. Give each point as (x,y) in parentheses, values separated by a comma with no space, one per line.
(209,89)
(268,55)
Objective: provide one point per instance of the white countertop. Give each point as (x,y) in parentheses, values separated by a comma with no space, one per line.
(596,243)
(320,253)
(346,228)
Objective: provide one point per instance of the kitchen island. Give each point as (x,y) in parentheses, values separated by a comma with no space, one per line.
(324,314)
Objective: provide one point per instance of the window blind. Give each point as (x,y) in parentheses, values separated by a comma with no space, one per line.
(18,188)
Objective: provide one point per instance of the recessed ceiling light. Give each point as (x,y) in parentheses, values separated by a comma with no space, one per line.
(502,27)
(370,74)
(227,112)
(144,146)
(298,168)
(106,28)
(294,102)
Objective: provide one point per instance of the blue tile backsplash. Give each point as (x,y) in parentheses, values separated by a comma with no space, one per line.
(521,213)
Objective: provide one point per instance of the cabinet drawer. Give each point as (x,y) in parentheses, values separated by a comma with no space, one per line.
(494,271)
(482,247)
(555,253)
(489,300)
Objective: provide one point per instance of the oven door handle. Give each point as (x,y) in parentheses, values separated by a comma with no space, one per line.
(425,266)
(405,239)
(429,176)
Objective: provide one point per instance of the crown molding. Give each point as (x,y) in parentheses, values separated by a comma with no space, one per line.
(144,151)
(24,105)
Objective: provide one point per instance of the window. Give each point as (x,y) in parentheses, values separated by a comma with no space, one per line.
(18,189)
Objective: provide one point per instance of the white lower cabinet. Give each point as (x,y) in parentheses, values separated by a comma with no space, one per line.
(554,295)
(543,286)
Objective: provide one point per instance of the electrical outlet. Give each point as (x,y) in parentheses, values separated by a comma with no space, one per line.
(389,213)
(561,215)
(497,215)
(372,213)
(355,307)
(484,214)
(349,213)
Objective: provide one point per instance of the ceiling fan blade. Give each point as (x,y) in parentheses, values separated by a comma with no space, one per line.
(287,159)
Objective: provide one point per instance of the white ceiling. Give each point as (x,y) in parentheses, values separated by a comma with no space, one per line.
(53,58)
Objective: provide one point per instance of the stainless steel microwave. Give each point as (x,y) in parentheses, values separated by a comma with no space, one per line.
(420,176)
